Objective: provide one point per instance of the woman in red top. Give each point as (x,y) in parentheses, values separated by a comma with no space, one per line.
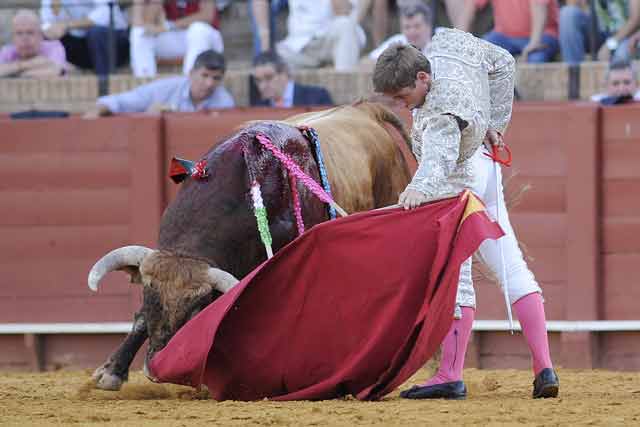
(523,27)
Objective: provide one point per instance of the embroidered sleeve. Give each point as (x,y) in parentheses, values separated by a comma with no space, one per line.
(417,151)
(440,150)
(502,71)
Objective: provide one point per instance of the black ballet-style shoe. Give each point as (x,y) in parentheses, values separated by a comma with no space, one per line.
(455,390)
(546,384)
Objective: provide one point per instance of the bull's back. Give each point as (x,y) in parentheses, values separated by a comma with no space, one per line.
(364,164)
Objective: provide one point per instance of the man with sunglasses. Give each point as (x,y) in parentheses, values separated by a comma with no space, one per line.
(200,90)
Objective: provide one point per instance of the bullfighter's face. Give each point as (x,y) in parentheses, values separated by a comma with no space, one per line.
(413,97)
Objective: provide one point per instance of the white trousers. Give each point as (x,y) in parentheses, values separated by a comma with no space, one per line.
(340,45)
(520,279)
(189,43)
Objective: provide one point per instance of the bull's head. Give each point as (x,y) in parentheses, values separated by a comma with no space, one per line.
(176,288)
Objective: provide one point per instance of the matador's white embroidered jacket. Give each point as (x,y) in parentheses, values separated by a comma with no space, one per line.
(471,91)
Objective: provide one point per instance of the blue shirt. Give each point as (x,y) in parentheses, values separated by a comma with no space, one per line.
(171,91)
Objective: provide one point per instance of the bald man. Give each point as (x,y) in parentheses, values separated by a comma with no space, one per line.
(29,55)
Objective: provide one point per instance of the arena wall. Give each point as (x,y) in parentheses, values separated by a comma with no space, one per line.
(74,189)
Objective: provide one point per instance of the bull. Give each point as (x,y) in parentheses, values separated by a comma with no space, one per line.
(208,235)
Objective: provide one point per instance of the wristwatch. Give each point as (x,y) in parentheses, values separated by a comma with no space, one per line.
(612,44)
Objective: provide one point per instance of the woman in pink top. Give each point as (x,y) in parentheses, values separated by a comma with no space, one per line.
(523,27)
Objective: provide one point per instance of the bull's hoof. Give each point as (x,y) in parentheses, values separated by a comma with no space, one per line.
(106,380)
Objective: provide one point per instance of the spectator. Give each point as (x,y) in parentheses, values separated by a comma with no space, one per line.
(621,85)
(479,22)
(523,27)
(83,28)
(175,29)
(199,91)
(380,18)
(263,14)
(415,24)
(277,89)
(29,55)
(616,19)
(322,31)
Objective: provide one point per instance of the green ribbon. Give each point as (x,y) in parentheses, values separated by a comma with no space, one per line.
(263,225)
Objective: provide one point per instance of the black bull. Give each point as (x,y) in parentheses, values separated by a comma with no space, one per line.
(208,235)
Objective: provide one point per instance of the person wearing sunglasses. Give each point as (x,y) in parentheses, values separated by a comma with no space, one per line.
(200,90)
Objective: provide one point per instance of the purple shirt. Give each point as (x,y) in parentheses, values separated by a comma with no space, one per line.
(51,49)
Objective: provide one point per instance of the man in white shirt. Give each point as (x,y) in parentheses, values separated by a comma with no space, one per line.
(321,32)
(415,23)
(83,28)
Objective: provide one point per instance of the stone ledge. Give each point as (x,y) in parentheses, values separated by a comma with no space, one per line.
(544,82)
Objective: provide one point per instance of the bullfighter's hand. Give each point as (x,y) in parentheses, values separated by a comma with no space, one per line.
(491,138)
(411,199)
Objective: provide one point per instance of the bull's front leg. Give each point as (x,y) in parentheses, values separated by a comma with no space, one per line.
(115,370)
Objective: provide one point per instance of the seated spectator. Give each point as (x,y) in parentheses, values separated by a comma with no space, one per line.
(170,30)
(415,24)
(28,55)
(277,89)
(200,90)
(263,14)
(621,85)
(617,20)
(523,27)
(321,32)
(83,28)
(478,23)
(380,20)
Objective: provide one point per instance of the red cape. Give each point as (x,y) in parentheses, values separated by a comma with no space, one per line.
(353,306)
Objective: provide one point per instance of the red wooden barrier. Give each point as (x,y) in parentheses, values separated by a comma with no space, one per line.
(74,189)
(620,164)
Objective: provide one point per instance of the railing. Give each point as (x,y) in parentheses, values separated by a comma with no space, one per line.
(478,325)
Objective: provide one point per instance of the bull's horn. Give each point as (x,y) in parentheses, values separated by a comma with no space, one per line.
(222,280)
(117,259)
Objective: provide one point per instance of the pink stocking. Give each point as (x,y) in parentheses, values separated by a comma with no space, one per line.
(530,312)
(454,348)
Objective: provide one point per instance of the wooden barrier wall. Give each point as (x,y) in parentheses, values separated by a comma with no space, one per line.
(620,293)
(74,189)
(555,153)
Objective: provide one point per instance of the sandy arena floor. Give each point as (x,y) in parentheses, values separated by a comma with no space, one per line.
(495,398)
